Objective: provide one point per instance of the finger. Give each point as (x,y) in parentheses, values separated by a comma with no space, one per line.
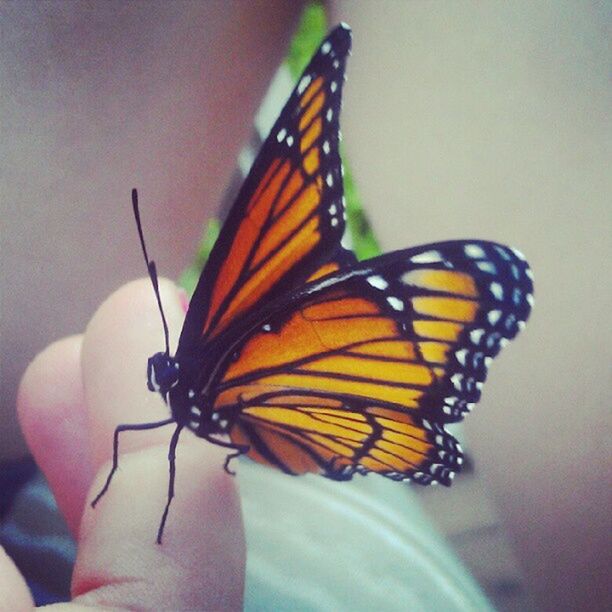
(51,408)
(201,561)
(14,593)
(199,565)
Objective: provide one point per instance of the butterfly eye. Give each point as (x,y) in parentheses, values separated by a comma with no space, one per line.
(162,373)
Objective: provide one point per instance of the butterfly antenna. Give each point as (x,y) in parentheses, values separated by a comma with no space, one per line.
(150,267)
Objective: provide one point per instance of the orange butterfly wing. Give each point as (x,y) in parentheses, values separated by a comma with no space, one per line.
(314,362)
(359,370)
(288,218)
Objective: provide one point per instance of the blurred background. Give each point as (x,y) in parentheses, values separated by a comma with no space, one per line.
(461,120)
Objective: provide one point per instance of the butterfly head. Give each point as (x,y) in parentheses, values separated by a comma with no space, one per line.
(162,373)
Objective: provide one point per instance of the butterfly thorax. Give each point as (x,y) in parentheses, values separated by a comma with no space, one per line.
(167,376)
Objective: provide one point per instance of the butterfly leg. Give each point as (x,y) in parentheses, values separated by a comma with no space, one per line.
(172,467)
(118,430)
(239,449)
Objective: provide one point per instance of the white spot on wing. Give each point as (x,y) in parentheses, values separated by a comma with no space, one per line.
(281,135)
(303,84)
(502,252)
(325,47)
(497,291)
(475,251)
(427,257)
(395,303)
(461,356)
(487,266)
(378,281)
(457,379)
(476,335)
(494,316)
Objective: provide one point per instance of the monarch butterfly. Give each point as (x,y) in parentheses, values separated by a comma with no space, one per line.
(304,359)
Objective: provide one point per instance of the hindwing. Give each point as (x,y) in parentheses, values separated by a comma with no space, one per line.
(360,369)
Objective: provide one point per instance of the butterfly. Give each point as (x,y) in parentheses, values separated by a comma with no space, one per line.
(303,358)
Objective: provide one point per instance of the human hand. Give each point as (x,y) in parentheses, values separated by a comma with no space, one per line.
(71,398)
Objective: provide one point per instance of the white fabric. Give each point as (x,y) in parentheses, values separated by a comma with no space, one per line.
(317,544)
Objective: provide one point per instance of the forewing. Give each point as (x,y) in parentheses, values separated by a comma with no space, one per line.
(392,348)
(288,218)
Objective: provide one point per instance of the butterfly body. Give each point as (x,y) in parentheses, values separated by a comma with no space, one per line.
(308,361)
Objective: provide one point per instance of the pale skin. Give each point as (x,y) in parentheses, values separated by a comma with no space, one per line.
(71,398)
